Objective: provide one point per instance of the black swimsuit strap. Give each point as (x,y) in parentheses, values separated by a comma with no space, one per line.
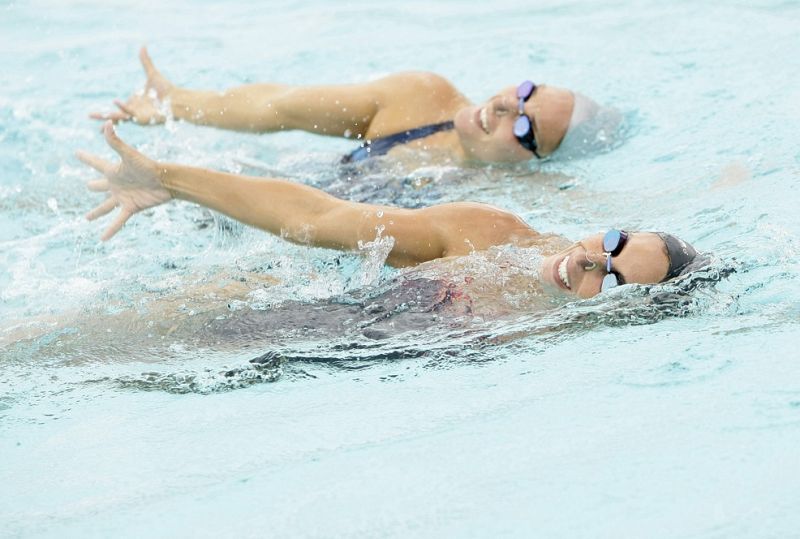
(382,145)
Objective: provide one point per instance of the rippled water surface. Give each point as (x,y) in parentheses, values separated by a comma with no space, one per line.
(631,415)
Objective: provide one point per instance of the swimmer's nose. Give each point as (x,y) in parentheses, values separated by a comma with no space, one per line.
(501,106)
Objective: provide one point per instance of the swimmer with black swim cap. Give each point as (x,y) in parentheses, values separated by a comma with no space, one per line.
(305,215)
(682,256)
(601,262)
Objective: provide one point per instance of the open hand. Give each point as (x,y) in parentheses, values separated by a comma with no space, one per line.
(134,184)
(148,105)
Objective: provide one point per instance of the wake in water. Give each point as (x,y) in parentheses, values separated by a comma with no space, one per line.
(423,320)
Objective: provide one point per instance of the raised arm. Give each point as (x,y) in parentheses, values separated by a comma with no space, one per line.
(299,213)
(370,109)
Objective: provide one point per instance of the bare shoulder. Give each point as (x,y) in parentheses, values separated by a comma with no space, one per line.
(479,225)
(412,85)
(421,79)
(471,211)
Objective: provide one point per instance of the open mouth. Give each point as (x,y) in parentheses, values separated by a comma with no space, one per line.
(562,275)
(483,115)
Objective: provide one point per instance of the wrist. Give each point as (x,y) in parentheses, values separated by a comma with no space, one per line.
(168,175)
(180,104)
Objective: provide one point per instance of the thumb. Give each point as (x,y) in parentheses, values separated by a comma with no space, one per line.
(147,63)
(114,141)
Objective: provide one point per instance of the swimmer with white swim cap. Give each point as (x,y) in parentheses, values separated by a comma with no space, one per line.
(592,128)
(415,110)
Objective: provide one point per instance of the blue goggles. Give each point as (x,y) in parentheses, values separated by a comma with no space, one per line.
(613,242)
(523,127)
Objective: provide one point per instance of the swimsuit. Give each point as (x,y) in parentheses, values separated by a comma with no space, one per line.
(399,306)
(381,146)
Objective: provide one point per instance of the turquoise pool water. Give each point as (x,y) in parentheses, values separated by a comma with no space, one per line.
(598,419)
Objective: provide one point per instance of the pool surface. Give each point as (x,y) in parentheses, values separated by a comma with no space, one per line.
(120,416)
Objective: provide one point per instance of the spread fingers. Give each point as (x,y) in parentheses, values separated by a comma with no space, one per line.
(100,165)
(98,185)
(124,108)
(114,116)
(114,227)
(103,208)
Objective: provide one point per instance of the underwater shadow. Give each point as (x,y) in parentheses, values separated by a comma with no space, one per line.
(396,325)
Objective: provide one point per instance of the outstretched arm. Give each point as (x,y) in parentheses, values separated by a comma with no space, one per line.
(299,213)
(371,109)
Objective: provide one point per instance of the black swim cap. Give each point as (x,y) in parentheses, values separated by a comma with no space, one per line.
(681,255)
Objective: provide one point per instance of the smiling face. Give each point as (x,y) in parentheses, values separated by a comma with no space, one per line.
(486,130)
(579,270)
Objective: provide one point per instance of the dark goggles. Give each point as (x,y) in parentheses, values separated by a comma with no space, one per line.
(523,127)
(613,242)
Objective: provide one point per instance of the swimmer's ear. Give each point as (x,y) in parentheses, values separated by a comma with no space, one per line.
(115,142)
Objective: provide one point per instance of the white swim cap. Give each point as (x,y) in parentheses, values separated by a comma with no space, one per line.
(592,128)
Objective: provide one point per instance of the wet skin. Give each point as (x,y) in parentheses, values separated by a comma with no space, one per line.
(643,260)
(378,108)
(549,108)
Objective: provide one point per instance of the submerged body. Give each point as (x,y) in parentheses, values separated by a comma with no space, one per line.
(459,291)
(462,293)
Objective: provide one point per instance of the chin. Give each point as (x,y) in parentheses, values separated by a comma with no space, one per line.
(462,121)
(546,270)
